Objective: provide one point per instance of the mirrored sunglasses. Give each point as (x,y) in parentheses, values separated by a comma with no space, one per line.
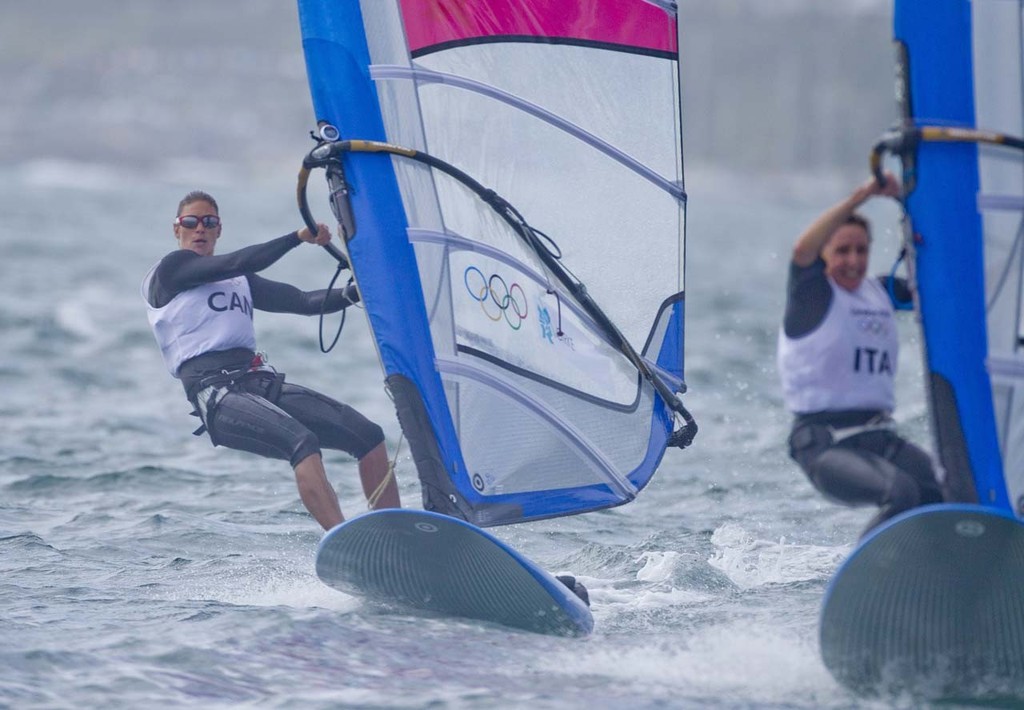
(191,221)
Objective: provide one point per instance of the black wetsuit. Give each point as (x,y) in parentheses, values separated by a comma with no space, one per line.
(251,409)
(875,466)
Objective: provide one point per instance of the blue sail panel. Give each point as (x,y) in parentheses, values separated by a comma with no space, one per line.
(519,400)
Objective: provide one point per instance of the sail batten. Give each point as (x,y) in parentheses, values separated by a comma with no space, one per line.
(426,76)
(1003,203)
(515,175)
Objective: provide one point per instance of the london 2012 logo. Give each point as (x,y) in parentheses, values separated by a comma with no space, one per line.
(496,297)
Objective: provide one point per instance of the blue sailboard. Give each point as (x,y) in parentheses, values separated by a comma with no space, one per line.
(931,602)
(426,561)
(491,210)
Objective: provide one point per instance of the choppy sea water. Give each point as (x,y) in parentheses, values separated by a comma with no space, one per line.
(143,567)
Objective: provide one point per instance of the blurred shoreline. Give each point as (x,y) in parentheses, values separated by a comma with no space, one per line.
(770,87)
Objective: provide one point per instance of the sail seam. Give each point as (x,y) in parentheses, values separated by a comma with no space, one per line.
(537,39)
(1005,367)
(380,72)
(628,407)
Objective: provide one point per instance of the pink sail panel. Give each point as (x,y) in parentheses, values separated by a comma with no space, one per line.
(631,23)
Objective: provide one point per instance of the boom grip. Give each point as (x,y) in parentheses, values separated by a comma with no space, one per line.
(307,216)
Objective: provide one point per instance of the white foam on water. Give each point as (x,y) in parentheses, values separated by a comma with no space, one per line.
(82,314)
(658,566)
(723,661)
(300,593)
(263,585)
(749,562)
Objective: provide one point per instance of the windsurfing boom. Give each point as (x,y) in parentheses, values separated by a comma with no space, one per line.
(325,155)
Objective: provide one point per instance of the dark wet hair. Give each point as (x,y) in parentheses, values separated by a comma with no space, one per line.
(197,196)
(853,218)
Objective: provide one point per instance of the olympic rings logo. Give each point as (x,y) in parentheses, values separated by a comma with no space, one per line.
(874,326)
(497,299)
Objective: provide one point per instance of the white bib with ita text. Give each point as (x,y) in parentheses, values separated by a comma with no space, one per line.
(849,360)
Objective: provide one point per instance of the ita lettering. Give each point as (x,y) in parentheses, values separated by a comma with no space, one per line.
(872,361)
(220,302)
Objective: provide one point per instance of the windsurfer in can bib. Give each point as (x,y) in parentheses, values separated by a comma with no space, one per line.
(201,307)
(837,357)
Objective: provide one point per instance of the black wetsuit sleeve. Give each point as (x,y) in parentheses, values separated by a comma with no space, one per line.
(183,269)
(277,297)
(808,296)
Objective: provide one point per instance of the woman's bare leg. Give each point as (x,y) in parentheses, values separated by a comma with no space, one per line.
(316,492)
(373,471)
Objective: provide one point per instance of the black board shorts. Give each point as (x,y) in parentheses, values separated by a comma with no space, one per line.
(262,414)
(875,466)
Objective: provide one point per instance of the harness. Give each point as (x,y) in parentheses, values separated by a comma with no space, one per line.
(879,421)
(212,387)
(814,432)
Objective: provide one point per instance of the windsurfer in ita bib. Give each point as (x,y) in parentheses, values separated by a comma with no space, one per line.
(201,310)
(837,355)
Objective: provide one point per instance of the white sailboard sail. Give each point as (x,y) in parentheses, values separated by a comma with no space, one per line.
(510,178)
